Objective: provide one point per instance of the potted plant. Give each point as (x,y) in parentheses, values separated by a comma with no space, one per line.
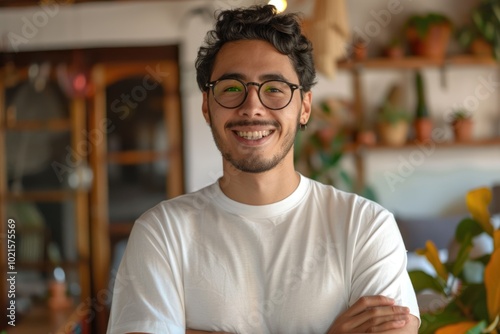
(393,124)
(482,35)
(461,122)
(429,34)
(469,286)
(393,119)
(319,150)
(471,40)
(360,49)
(395,49)
(423,123)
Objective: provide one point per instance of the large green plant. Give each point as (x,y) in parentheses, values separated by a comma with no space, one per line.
(473,307)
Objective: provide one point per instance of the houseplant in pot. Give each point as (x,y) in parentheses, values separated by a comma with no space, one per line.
(395,49)
(393,119)
(423,123)
(429,34)
(462,124)
(393,124)
(482,35)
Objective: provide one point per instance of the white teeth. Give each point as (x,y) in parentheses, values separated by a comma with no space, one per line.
(253,135)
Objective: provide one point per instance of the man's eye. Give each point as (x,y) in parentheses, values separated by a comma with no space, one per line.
(233,89)
(272,89)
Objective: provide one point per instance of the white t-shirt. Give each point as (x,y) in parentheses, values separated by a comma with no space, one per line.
(203,261)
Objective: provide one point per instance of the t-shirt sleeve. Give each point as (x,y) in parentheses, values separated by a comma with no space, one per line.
(379,262)
(147,295)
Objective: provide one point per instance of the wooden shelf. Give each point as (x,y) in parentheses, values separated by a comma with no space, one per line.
(42,320)
(41,196)
(136,157)
(418,62)
(490,142)
(120,229)
(47,267)
(39,125)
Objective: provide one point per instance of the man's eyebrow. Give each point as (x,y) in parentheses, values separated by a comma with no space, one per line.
(263,77)
(272,76)
(232,76)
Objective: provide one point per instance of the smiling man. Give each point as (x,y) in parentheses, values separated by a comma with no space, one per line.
(264,249)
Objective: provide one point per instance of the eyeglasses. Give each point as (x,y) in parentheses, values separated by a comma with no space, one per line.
(232,93)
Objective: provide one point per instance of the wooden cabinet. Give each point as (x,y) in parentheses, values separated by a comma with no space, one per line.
(136,154)
(43,206)
(124,138)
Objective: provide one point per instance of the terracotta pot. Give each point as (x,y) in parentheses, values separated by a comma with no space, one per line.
(326,135)
(479,47)
(393,134)
(366,137)
(462,130)
(423,129)
(394,52)
(434,44)
(360,51)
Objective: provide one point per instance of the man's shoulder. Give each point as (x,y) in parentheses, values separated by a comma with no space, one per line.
(343,200)
(182,205)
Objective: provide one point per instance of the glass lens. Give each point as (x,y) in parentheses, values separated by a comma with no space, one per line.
(229,93)
(275,94)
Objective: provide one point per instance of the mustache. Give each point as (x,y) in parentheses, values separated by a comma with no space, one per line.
(252,123)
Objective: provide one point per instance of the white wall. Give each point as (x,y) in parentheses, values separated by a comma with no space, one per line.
(433,186)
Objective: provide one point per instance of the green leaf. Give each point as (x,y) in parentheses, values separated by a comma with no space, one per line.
(369,192)
(483,259)
(474,296)
(422,281)
(496,11)
(347,179)
(478,329)
(478,19)
(463,255)
(430,322)
(468,227)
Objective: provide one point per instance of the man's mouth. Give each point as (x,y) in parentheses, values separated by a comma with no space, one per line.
(253,135)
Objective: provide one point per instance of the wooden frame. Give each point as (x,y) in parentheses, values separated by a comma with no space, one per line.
(103,75)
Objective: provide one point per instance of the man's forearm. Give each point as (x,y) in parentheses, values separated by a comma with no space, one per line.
(411,327)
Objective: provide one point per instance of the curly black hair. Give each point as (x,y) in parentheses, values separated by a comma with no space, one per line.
(283,31)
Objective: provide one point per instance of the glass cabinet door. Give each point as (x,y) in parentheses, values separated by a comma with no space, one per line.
(42,191)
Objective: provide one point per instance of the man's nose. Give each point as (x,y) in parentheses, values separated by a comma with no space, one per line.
(252,105)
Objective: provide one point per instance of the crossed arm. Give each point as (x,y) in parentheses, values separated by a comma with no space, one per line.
(374,314)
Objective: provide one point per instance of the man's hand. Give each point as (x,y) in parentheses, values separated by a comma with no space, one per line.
(370,315)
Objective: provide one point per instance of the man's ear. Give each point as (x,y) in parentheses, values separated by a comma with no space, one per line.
(205,108)
(306,109)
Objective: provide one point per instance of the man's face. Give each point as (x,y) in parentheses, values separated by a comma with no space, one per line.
(252,137)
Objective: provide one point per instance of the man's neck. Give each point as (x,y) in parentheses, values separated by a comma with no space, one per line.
(259,188)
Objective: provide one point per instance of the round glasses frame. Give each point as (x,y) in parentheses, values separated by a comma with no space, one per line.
(293,87)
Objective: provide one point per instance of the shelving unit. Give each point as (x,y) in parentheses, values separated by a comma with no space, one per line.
(417,62)
(356,68)
(353,147)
